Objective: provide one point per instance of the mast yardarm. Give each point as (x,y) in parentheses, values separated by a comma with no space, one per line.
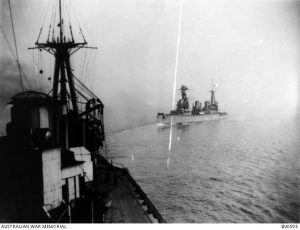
(63,81)
(62,49)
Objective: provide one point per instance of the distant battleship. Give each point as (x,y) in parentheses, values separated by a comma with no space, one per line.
(182,114)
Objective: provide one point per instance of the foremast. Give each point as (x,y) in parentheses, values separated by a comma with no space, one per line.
(64,90)
(212,91)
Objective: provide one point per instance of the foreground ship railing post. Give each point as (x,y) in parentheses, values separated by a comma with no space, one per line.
(54,170)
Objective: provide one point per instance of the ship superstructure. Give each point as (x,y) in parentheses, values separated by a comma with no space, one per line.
(183,114)
(51,165)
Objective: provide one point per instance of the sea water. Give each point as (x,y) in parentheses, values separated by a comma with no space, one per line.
(242,169)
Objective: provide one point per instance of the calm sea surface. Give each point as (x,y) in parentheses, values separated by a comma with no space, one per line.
(237,170)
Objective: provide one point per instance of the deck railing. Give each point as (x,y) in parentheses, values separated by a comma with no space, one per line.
(148,203)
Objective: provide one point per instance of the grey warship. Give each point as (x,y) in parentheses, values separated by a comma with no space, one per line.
(183,115)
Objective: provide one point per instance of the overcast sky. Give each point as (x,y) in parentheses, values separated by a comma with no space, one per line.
(250,48)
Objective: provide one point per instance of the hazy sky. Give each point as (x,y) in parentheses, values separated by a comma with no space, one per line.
(250,48)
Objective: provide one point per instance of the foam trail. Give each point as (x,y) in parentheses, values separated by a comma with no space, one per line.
(168,162)
(175,76)
(178,138)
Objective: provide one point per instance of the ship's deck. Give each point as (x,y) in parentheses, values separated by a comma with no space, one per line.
(127,206)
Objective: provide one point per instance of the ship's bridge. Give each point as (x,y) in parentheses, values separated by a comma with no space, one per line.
(31,118)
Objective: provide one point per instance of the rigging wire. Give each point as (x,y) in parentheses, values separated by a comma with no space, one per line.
(17,54)
(63,20)
(83,65)
(87,65)
(54,26)
(37,66)
(10,47)
(32,55)
(52,20)
(88,94)
(79,18)
(81,61)
(71,7)
(69,18)
(80,92)
(83,85)
(44,22)
(7,41)
(93,71)
(51,26)
(25,23)
(46,9)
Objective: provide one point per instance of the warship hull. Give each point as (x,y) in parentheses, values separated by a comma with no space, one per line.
(167,119)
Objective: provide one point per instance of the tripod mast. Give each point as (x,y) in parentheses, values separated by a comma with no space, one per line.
(63,80)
